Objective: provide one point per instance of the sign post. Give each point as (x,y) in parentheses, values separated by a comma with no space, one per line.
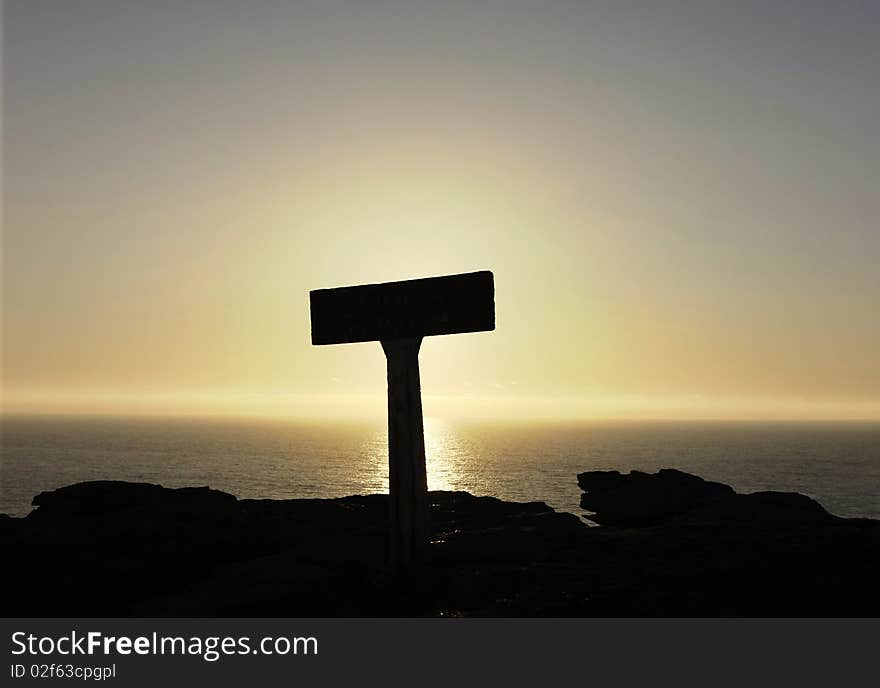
(399,315)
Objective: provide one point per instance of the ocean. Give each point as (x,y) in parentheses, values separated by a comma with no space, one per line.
(836,463)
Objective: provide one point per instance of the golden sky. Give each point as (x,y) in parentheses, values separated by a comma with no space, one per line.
(680,206)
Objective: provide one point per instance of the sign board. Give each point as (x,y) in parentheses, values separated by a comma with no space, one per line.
(450,304)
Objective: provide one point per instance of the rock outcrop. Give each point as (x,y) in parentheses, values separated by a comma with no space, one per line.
(679,546)
(105,497)
(642,498)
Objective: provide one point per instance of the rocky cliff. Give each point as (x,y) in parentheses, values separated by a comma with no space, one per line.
(670,544)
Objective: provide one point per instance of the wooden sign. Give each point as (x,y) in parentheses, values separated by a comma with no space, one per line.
(399,314)
(397,310)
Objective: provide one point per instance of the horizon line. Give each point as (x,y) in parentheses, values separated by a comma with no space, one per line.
(230,416)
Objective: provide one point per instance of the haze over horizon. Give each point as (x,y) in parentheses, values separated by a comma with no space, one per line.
(679,204)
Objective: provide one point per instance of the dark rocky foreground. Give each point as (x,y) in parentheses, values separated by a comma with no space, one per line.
(671,544)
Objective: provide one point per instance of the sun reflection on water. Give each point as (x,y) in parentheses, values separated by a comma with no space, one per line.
(444,456)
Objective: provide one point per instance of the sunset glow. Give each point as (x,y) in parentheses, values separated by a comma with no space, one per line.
(665,243)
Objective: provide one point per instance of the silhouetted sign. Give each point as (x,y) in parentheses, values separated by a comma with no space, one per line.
(399,314)
(398,310)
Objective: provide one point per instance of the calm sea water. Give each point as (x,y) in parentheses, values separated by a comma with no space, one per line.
(836,463)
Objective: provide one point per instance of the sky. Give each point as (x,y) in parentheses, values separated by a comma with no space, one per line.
(679,202)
